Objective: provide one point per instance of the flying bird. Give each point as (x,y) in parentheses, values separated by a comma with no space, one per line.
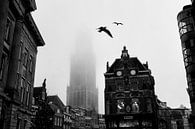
(104,29)
(118,23)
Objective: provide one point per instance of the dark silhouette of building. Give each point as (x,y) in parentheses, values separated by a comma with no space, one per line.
(82,91)
(40,94)
(49,112)
(59,112)
(67,118)
(186,24)
(130,101)
(101,123)
(172,118)
(82,118)
(42,117)
(19,39)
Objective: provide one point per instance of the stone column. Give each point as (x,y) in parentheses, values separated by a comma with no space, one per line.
(13,63)
(4,5)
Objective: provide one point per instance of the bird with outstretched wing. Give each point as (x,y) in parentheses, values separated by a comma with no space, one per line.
(118,23)
(104,29)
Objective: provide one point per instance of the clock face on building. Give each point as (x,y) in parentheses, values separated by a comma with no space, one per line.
(119,73)
(133,72)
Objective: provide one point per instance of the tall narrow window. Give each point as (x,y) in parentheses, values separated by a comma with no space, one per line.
(2,65)
(20,50)
(18,125)
(43,95)
(23,72)
(24,62)
(55,120)
(19,68)
(18,81)
(27,94)
(25,124)
(22,90)
(25,56)
(7,31)
(24,95)
(107,107)
(31,64)
(120,106)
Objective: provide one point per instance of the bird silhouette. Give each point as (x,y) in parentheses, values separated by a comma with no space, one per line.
(118,23)
(104,29)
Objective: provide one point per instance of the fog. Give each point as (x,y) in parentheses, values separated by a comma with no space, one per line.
(149,32)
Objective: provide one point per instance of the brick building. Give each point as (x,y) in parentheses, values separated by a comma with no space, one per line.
(19,39)
(58,108)
(130,100)
(186,25)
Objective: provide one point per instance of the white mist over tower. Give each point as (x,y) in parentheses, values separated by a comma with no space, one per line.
(82,91)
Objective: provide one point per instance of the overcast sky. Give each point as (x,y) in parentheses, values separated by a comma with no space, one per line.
(149,32)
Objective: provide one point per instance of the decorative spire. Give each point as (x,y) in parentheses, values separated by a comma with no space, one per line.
(44,83)
(107,65)
(124,53)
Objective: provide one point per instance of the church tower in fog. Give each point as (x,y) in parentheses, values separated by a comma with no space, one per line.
(82,90)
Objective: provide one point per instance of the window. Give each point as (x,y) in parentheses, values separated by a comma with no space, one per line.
(31,64)
(120,87)
(2,65)
(43,95)
(19,67)
(20,50)
(192,42)
(55,120)
(25,124)
(188,61)
(188,58)
(22,90)
(147,123)
(24,95)
(107,107)
(18,81)
(25,57)
(186,25)
(18,125)
(112,124)
(19,58)
(186,53)
(7,31)
(23,72)
(120,106)
(135,105)
(58,121)
(149,105)
(58,110)
(27,94)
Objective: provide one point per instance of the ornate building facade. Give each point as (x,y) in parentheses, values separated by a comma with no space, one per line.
(130,101)
(186,24)
(19,39)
